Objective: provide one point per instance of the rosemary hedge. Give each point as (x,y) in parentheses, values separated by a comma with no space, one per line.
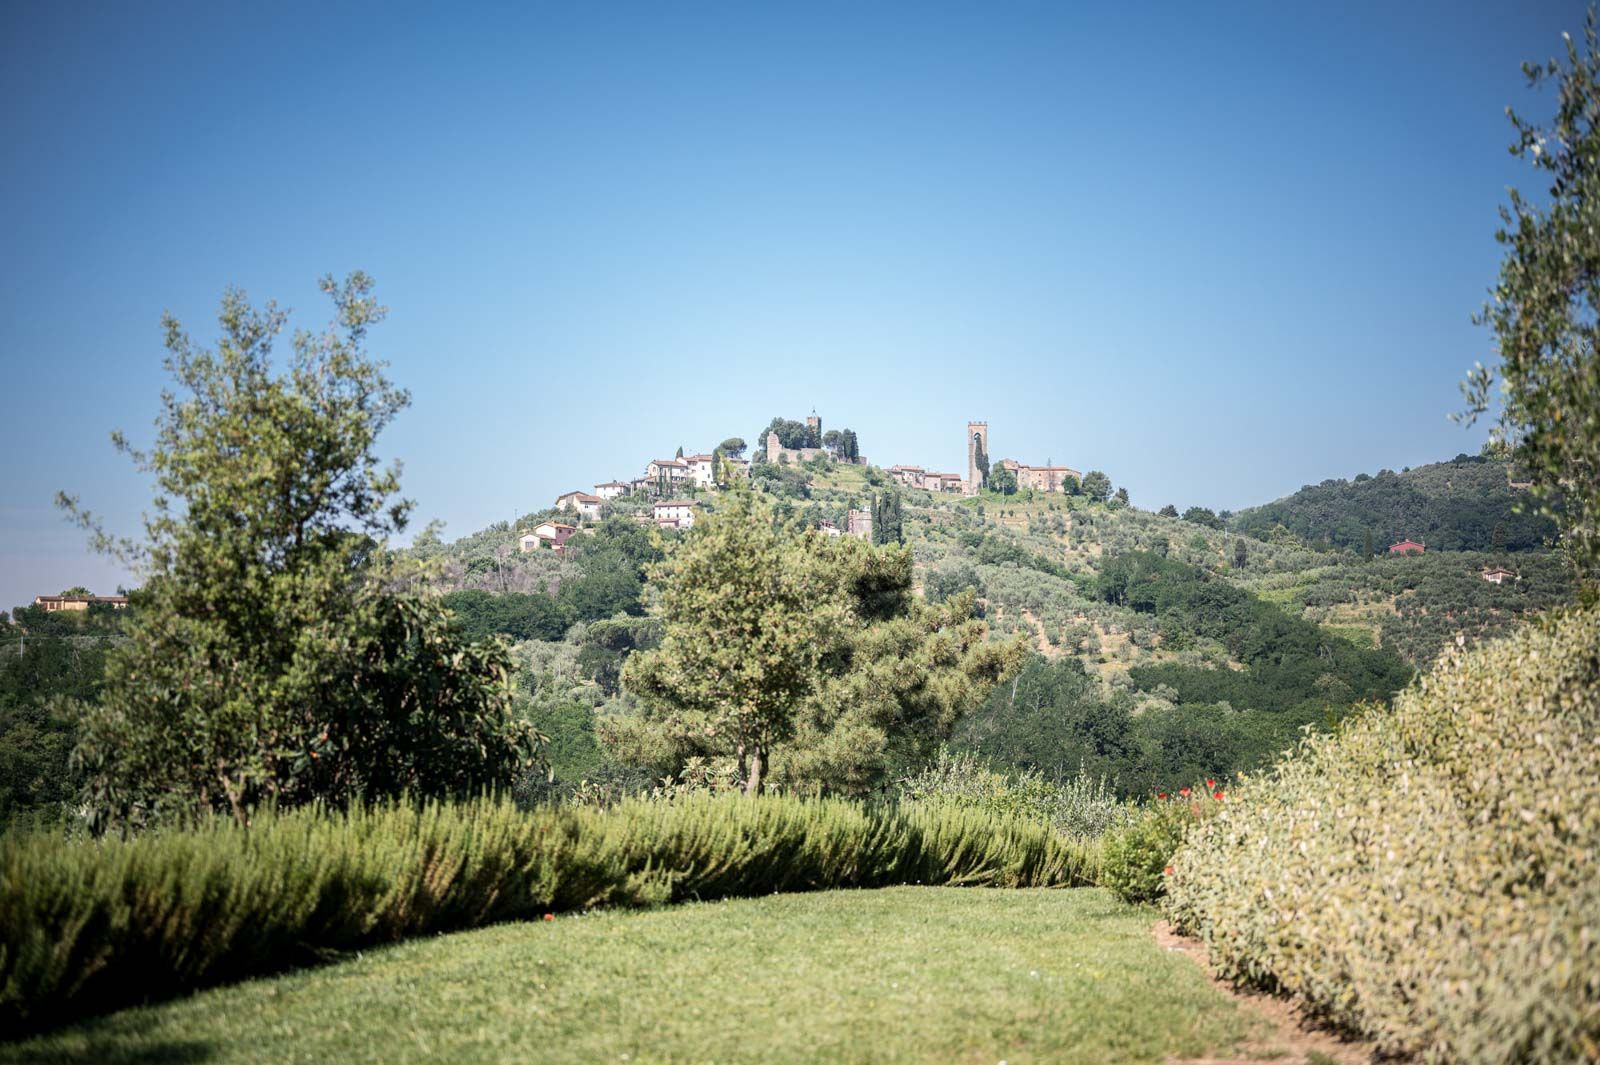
(1427,876)
(88,926)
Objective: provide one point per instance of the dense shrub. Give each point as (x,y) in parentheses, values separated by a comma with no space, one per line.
(1426,876)
(92,925)
(1136,858)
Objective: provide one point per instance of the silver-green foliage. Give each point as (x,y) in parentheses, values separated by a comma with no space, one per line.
(1082,808)
(89,925)
(1426,876)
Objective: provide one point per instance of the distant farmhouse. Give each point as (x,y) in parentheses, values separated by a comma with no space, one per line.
(1407,547)
(585,504)
(1499,575)
(611,490)
(675,513)
(547,534)
(53,603)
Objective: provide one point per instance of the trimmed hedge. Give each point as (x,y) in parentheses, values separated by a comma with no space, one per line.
(1427,876)
(89,926)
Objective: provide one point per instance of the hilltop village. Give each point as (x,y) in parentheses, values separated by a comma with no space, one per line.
(671,486)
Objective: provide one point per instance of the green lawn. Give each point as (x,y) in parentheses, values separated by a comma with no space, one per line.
(902,974)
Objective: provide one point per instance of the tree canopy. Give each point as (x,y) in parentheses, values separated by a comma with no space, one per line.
(272,655)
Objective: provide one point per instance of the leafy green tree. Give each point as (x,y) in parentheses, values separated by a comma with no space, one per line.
(833,440)
(791,434)
(733,447)
(850,447)
(1241,554)
(1168,511)
(272,656)
(1202,516)
(1120,499)
(980,459)
(482,615)
(803,657)
(745,629)
(1003,481)
(1544,308)
(1096,486)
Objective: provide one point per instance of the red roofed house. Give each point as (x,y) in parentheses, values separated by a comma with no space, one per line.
(1407,547)
(1497,574)
(551,534)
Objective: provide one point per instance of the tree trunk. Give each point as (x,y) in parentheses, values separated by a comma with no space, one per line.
(755,770)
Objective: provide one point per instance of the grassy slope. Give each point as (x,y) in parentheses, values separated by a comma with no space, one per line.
(903,974)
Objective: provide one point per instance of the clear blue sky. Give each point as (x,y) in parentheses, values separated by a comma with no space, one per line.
(1219,251)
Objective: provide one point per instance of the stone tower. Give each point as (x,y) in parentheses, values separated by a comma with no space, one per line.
(814,425)
(977,436)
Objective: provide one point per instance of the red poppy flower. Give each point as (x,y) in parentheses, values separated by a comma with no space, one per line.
(549,917)
(1167,871)
(1184,792)
(1161,795)
(1217,795)
(1210,783)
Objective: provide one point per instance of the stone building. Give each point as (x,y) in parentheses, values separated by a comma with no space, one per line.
(1042,478)
(977,440)
(859,524)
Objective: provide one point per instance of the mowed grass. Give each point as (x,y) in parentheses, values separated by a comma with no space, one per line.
(901,974)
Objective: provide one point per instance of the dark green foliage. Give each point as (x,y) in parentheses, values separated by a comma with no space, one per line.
(1003,481)
(274,654)
(1450,506)
(1289,660)
(1096,486)
(1202,516)
(1439,597)
(940,585)
(791,434)
(607,645)
(49,663)
(480,615)
(888,518)
(782,480)
(88,926)
(1136,856)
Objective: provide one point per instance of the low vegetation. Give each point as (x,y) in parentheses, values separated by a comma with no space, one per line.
(90,925)
(1426,875)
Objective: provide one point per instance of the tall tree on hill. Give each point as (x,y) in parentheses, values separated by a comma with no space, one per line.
(272,656)
(849,445)
(1545,310)
(733,447)
(1241,554)
(980,459)
(1003,481)
(1168,511)
(805,659)
(1096,486)
(1121,498)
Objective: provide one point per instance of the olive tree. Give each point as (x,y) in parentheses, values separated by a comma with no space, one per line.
(1544,309)
(274,654)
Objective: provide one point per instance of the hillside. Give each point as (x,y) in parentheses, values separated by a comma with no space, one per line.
(1466,504)
(1164,648)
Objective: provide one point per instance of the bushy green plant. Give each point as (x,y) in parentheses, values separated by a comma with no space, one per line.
(1426,876)
(90,925)
(1082,807)
(1136,858)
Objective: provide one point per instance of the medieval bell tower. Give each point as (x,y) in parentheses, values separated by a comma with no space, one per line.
(977,441)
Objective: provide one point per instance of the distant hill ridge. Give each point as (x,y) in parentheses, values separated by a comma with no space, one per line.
(1466,504)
